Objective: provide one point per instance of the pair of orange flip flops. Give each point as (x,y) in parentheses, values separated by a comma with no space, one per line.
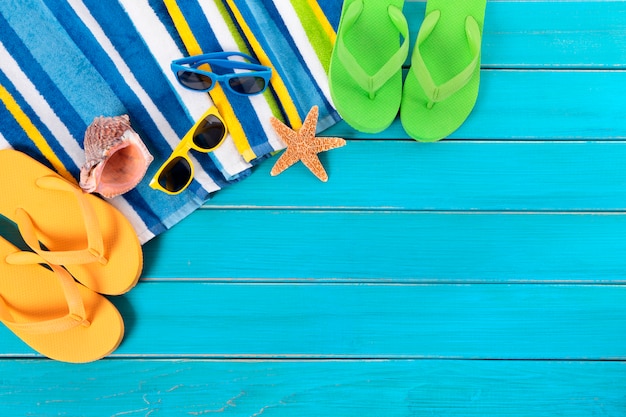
(81,247)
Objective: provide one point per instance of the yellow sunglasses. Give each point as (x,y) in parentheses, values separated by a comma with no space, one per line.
(205,136)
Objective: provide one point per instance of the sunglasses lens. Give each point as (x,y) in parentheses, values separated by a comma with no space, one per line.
(247,85)
(194,80)
(209,133)
(176,175)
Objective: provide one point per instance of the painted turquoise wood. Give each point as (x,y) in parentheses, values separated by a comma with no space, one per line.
(447,176)
(303,388)
(189,319)
(397,246)
(480,276)
(547,34)
(536,105)
(544,34)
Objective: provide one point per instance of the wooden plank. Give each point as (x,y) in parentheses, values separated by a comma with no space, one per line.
(451,175)
(391,246)
(535,105)
(190,319)
(318,388)
(547,34)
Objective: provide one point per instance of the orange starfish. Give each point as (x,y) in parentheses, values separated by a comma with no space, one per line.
(303,145)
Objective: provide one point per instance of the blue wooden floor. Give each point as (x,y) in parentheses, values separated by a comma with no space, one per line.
(479,276)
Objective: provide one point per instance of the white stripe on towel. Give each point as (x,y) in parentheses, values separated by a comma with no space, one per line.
(4,144)
(133,217)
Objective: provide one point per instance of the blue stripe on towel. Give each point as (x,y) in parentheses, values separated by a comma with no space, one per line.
(200,26)
(332,10)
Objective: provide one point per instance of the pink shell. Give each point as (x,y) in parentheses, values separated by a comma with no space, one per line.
(116,158)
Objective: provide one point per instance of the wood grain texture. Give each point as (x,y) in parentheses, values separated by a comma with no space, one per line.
(396,246)
(546,34)
(535,105)
(190,319)
(446,176)
(314,388)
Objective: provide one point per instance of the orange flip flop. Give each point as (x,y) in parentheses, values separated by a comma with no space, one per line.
(68,227)
(52,313)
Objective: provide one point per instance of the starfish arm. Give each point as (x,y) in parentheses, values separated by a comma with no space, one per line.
(326,144)
(286,160)
(307,131)
(303,145)
(312,162)
(284,132)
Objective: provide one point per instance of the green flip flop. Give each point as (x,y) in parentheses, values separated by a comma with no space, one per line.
(442,85)
(365,71)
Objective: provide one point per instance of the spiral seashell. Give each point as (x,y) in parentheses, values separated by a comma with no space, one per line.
(116,158)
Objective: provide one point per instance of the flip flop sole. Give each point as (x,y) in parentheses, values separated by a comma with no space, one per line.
(446,53)
(34,294)
(60,226)
(373,39)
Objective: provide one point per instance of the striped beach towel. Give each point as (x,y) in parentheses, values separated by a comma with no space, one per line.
(294,37)
(65,62)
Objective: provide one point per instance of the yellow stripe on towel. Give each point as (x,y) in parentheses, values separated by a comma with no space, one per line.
(318,29)
(34,134)
(217,93)
(323,20)
(277,82)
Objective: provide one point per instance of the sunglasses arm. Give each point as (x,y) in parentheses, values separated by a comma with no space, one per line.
(226,64)
(191,60)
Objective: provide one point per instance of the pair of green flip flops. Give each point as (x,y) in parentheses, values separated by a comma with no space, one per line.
(441,87)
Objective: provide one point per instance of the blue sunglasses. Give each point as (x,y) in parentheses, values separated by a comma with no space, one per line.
(251,82)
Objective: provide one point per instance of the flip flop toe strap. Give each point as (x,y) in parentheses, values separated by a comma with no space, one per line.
(437,93)
(95,245)
(76,315)
(372,83)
